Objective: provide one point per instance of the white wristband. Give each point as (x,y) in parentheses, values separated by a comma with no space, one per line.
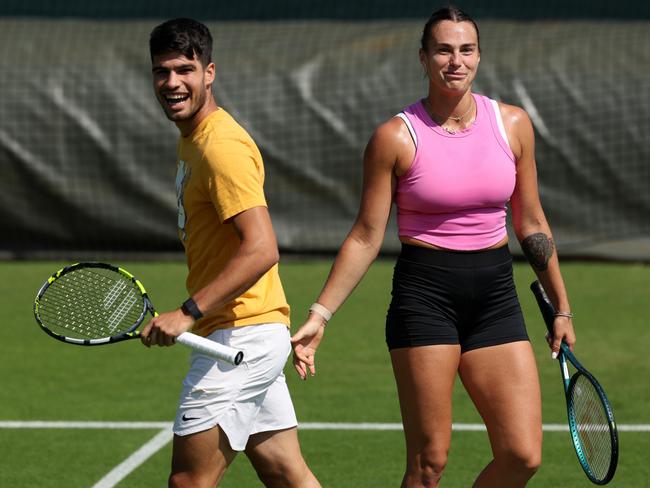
(320,310)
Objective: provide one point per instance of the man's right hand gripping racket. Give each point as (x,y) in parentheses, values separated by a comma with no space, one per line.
(591,421)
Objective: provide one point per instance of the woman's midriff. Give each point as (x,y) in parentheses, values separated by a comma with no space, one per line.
(416,242)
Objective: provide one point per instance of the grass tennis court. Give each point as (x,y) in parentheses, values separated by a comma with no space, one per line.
(45,380)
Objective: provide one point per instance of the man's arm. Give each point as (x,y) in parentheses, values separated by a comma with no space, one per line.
(256,254)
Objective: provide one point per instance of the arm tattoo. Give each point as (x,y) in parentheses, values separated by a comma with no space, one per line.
(538,249)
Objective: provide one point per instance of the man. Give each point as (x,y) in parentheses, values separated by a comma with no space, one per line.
(236,296)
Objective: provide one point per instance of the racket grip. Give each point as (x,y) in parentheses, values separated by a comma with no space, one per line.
(211,348)
(545,305)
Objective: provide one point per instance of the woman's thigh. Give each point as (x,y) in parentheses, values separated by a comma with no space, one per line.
(503,383)
(425,378)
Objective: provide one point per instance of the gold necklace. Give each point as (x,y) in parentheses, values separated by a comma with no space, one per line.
(455,118)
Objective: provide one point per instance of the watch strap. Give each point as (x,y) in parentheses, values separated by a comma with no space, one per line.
(190,308)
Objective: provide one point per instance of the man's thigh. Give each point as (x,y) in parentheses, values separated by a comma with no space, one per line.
(201,459)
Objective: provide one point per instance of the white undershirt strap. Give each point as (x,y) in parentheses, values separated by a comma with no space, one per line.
(502,128)
(406,120)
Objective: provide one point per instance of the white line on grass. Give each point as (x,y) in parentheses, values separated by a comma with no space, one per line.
(122,470)
(48,424)
(160,440)
(63,424)
(454,426)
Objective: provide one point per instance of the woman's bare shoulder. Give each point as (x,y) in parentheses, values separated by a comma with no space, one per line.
(513,115)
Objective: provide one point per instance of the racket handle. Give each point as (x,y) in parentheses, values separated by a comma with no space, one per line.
(545,305)
(211,348)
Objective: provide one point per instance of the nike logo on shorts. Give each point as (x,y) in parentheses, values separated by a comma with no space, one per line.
(185,418)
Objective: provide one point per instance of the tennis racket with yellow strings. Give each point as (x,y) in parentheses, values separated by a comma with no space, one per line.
(92,304)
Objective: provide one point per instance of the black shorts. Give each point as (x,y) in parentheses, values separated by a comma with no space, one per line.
(449,297)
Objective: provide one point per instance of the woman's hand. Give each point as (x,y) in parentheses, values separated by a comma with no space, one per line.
(562,331)
(305,342)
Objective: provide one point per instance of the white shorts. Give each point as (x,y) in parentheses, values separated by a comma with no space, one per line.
(243,400)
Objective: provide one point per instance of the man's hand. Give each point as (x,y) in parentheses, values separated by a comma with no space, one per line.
(163,329)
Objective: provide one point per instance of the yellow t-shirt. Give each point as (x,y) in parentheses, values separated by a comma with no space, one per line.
(220,174)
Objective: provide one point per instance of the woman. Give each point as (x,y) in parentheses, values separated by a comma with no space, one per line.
(451,162)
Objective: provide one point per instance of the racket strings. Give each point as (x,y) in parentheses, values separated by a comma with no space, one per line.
(90,303)
(592,425)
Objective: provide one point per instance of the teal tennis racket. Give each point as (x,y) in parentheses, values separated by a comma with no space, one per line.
(591,421)
(91,304)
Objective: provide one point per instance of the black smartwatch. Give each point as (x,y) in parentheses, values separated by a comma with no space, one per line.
(189,308)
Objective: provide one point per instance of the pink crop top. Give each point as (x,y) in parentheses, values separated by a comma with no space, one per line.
(454,194)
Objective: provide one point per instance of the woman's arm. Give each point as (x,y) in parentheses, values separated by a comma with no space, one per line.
(387,149)
(530,224)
